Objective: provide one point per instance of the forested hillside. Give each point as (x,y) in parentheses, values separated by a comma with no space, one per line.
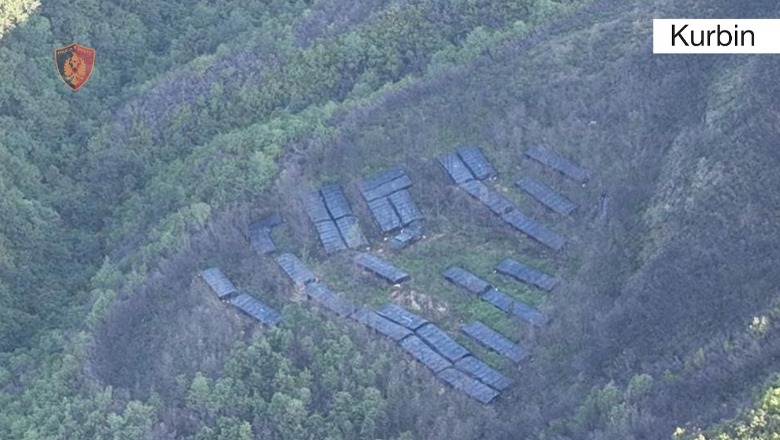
(202,115)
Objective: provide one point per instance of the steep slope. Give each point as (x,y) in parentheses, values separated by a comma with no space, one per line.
(653,285)
(684,148)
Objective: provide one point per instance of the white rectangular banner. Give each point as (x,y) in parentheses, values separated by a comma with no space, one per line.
(679,35)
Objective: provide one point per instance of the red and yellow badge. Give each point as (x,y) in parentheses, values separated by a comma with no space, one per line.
(74,64)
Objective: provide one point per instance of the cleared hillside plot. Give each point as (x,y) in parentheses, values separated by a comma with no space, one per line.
(456,164)
(481,288)
(437,351)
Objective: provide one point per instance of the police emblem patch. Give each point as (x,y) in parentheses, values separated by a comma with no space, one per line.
(74,64)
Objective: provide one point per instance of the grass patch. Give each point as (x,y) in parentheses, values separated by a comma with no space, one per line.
(362,288)
(492,317)
(489,357)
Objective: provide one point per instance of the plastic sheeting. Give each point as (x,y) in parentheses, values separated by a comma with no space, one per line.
(495,341)
(218,282)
